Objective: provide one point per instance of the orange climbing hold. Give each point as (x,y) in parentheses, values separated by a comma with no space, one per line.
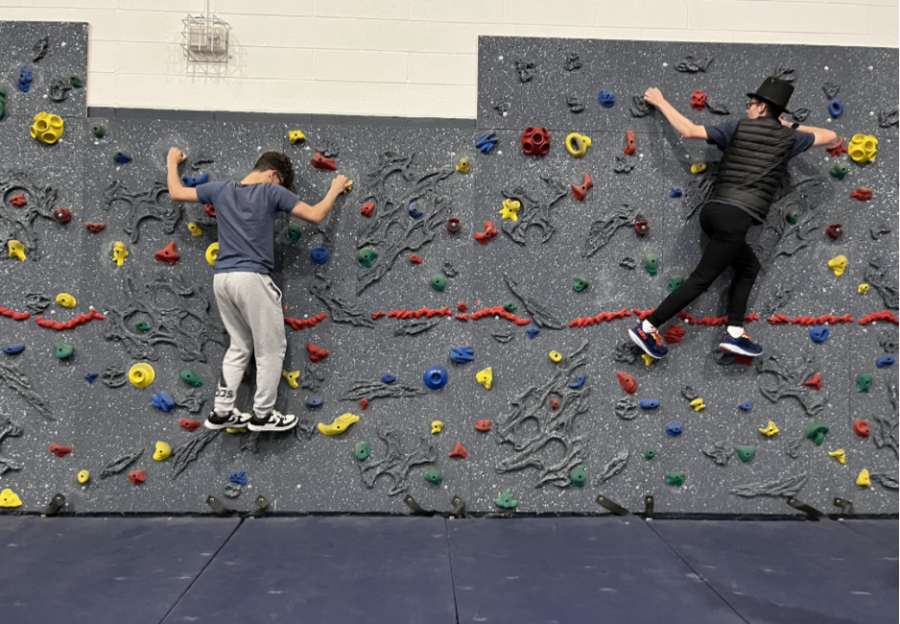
(579,191)
(16,316)
(137,476)
(814,382)
(630,145)
(489,232)
(18,200)
(674,334)
(415,259)
(316,354)
(483,425)
(169,254)
(79,320)
(367,210)
(59,450)
(628,382)
(459,451)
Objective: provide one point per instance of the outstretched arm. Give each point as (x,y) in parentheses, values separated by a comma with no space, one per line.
(825,137)
(316,213)
(177,191)
(685,127)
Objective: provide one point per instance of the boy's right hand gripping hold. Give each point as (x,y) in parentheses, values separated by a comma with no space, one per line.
(340,184)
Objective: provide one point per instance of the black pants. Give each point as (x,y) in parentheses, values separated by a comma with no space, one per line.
(727,228)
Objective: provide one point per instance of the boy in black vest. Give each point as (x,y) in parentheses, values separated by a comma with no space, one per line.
(750,174)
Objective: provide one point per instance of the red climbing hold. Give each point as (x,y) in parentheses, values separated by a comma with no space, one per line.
(62,215)
(814,382)
(861,428)
(316,353)
(834,231)
(838,149)
(628,382)
(96,228)
(554,404)
(415,259)
(459,451)
(698,100)
(579,191)
(211,210)
(483,425)
(308,322)
(19,200)
(367,210)
(489,232)
(674,334)
(137,476)
(862,194)
(189,423)
(16,316)
(453,225)
(642,228)
(630,145)
(320,162)
(59,450)
(743,359)
(364,404)
(462,307)
(168,254)
(884,315)
(535,141)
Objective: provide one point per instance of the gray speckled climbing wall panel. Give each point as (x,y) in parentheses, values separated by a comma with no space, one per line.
(531,447)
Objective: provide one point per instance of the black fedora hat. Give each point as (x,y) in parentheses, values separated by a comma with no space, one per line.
(774,91)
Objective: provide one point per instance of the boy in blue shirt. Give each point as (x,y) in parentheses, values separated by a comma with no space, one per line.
(249,301)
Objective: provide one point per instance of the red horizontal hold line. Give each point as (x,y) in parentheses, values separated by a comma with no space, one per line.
(304,323)
(81,319)
(16,316)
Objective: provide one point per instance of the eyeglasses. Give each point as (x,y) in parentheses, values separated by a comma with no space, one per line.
(750,103)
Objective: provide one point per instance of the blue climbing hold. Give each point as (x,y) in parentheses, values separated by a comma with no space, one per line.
(819,334)
(435,377)
(835,108)
(486,143)
(579,381)
(13,349)
(674,429)
(91,377)
(532,332)
(461,355)
(192,181)
(675,192)
(885,360)
(163,400)
(122,158)
(388,378)
(319,255)
(746,406)
(606,98)
(414,211)
(314,401)
(25,78)
(649,404)
(238,477)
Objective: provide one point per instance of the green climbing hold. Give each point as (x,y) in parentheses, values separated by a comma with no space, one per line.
(674,282)
(650,453)
(675,478)
(506,501)
(294,232)
(2,102)
(76,82)
(64,351)
(439,282)
(745,453)
(191,378)
(577,476)
(98,130)
(434,477)
(363,450)
(816,432)
(580,284)
(367,256)
(651,263)
(142,326)
(863,382)
(792,217)
(510,306)
(840,170)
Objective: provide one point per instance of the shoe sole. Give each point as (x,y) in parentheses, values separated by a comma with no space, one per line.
(637,340)
(735,349)
(216,427)
(272,427)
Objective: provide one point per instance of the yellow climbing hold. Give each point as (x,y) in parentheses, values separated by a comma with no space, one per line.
(463,165)
(339,425)
(863,479)
(65,300)
(120,252)
(698,167)
(212,252)
(577,144)
(839,455)
(647,359)
(436,426)
(485,377)
(863,148)
(141,375)
(348,188)
(510,209)
(194,229)
(83,477)
(47,128)
(698,404)
(8,498)
(163,450)
(16,249)
(769,430)
(292,377)
(296,136)
(838,264)
(233,430)
(863,289)
(555,357)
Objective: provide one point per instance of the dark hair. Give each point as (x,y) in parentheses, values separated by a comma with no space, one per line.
(772,110)
(280,164)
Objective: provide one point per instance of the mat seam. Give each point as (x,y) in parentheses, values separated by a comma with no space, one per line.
(450,561)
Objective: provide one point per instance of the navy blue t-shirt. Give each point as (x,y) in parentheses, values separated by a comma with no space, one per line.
(245,214)
(721,134)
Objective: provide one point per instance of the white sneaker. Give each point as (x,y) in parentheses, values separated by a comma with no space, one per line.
(273,421)
(235,420)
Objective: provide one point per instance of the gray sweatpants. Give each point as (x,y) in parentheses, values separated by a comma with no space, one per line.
(251,309)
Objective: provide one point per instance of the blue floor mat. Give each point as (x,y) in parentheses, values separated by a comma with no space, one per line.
(327,570)
(884,532)
(575,570)
(102,570)
(790,572)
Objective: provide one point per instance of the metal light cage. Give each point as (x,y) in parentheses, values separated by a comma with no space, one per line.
(205,39)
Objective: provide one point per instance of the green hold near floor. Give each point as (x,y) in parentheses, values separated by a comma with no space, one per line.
(362,451)
(675,478)
(816,432)
(506,501)
(64,351)
(745,453)
(434,476)
(577,476)
(191,378)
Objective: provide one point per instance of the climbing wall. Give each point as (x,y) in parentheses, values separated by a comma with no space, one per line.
(560,433)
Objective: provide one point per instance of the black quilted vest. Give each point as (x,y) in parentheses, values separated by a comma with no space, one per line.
(754,164)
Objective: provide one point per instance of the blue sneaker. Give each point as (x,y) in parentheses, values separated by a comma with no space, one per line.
(741,346)
(651,343)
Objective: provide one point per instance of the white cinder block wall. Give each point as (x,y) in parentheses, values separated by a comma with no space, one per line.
(415,58)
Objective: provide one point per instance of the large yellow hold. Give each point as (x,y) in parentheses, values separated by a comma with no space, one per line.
(485,377)
(163,451)
(577,144)
(141,375)
(120,252)
(339,425)
(838,264)
(212,252)
(47,128)
(291,377)
(863,148)
(9,499)
(16,249)
(66,300)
